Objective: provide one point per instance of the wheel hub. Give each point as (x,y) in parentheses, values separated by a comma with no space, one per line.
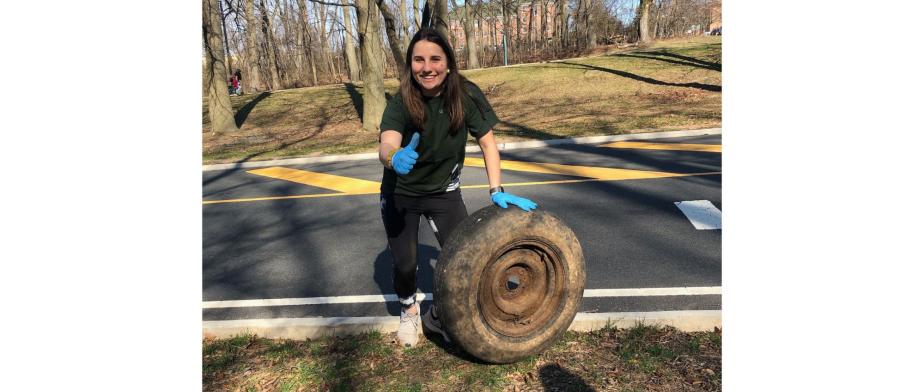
(522,289)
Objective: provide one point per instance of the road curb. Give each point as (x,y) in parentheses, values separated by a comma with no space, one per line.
(313,328)
(501,146)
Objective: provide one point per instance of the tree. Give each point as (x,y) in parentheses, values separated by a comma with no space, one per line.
(306,40)
(471,51)
(348,42)
(393,43)
(373,63)
(270,46)
(402,12)
(563,20)
(440,19)
(216,73)
(644,8)
(253,56)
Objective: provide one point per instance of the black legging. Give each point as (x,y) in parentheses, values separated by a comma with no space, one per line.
(401,215)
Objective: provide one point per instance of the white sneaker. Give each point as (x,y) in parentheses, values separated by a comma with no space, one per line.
(432,323)
(409,327)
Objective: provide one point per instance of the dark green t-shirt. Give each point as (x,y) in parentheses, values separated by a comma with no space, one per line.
(441,155)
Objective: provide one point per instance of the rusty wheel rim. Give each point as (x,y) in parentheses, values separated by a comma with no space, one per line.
(522,289)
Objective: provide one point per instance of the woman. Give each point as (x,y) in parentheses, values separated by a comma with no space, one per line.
(429,117)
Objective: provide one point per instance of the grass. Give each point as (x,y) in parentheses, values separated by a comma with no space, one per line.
(639,358)
(671,85)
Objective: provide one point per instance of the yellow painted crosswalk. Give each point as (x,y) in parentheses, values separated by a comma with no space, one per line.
(343,186)
(600,173)
(321,180)
(666,146)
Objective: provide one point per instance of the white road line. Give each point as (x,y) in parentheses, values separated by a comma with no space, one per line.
(701,213)
(354,299)
(347,299)
(654,291)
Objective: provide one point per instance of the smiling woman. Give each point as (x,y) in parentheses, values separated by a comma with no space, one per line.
(423,151)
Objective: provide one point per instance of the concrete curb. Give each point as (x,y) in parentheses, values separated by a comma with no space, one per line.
(312,328)
(501,146)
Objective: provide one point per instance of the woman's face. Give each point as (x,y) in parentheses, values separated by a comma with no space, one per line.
(429,66)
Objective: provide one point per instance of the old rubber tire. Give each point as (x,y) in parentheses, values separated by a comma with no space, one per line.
(508,283)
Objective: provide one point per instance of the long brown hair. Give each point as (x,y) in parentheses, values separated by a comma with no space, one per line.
(453,86)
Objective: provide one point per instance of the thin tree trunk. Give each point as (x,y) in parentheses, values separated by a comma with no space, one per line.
(529,26)
(591,32)
(348,43)
(440,17)
(220,114)
(373,66)
(270,46)
(307,39)
(543,27)
(283,61)
(516,13)
(417,13)
(402,12)
(224,34)
(588,24)
(471,51)
(324,45)
(393,42)
(253,56)
(563,30)
(644,6)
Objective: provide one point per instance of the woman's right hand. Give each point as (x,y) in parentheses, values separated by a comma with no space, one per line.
(403,160)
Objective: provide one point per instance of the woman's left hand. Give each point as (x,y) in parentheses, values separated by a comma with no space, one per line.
(503,198)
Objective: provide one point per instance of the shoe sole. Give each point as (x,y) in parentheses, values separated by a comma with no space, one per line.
(428,325)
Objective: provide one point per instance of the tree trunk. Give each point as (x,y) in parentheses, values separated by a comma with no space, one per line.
(543,27)
(284,73)
(405,38)
(529,25)
(348,42)
(563,30)
(393,42)
(516,14)
(591,30)
(224,34)
(417,13)
(644,6)
(253,56)
(373,65)
(440,17)
(324,42)
(471,51)
(505,38)
(220,114)
(270,46)
(305,33)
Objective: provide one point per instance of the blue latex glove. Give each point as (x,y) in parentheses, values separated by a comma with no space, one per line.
(404,159)
(502,198)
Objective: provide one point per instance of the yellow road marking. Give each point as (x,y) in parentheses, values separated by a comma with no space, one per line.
(321,180)
(515,184)
(600,173)
(666,146)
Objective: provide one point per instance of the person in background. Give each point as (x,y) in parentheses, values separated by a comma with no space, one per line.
(240,82)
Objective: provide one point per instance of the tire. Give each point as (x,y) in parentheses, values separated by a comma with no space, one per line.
(508,283)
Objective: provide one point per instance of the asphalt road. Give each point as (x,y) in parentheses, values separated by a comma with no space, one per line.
(631,232)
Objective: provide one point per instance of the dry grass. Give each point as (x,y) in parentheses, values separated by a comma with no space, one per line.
(671,85)
(636,359)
